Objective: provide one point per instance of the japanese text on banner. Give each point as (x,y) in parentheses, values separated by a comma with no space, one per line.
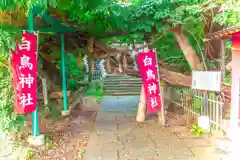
(25,62)
(148,69)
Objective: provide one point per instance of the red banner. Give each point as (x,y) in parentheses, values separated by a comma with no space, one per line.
(148,69)
(24,69)
(236,43)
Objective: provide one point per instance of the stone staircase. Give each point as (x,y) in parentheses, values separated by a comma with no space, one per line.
(121,85)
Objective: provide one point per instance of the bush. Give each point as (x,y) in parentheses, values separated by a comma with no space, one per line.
(9,121)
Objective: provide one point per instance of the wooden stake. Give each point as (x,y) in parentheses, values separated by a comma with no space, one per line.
(142,105)
(45,91)
(161,114)
(222,62)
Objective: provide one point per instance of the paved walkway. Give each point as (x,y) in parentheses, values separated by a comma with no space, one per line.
(117,136)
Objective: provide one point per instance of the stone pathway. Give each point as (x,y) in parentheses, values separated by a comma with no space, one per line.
(117,136)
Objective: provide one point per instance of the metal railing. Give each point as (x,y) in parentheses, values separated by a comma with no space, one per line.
(197,103)
(97,75)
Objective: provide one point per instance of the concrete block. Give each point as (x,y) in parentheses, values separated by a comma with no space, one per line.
(36,140)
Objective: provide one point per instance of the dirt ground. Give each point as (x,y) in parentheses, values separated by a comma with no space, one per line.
(67,138)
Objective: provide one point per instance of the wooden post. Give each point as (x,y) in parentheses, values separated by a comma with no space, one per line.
(79,59)
(45,91)
(222,63)
(142,106)
(120,62)
(109,69)
(161,114)
(125,64)
(92,67)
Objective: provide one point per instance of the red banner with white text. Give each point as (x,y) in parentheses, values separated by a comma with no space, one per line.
(148,69)
(24,69)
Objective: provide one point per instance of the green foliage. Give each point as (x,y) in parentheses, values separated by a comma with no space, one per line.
(52,111)
(75,73)
(228,44)
(81,155)
(227,116)
(49,142)
(29,155)
(101,17)
(95,88)
(198,131)
(9,120)
(231,14)
(5,43)
(227,78)
(212,64)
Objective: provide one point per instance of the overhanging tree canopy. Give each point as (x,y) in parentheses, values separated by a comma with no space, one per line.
(104,20)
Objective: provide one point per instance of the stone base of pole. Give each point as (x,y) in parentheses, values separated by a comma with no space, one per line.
(65,113)
(36,140)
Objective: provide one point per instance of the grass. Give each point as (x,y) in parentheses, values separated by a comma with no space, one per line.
(81,155)
(198,131)
(49,143)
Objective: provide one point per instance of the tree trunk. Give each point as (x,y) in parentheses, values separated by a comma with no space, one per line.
(90,49)
(142,105)
(211,48)
(109,68)
(90,46)
(187,49)
(92,67)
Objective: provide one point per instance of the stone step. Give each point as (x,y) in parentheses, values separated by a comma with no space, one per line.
(118,75)
(122,82)
(122,78)
(121,94)
(118,89)
(123,85)
(118,85)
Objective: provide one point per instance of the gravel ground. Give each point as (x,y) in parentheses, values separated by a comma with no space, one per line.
(67,139)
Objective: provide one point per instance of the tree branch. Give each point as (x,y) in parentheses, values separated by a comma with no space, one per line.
(176,78)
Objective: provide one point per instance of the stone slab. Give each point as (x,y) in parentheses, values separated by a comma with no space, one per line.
(117,136)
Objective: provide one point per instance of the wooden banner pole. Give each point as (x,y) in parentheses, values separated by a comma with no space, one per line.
(142,106)
(161,117)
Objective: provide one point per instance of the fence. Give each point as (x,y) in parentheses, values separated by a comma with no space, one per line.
(197,103)
(99,71)
(97,75)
